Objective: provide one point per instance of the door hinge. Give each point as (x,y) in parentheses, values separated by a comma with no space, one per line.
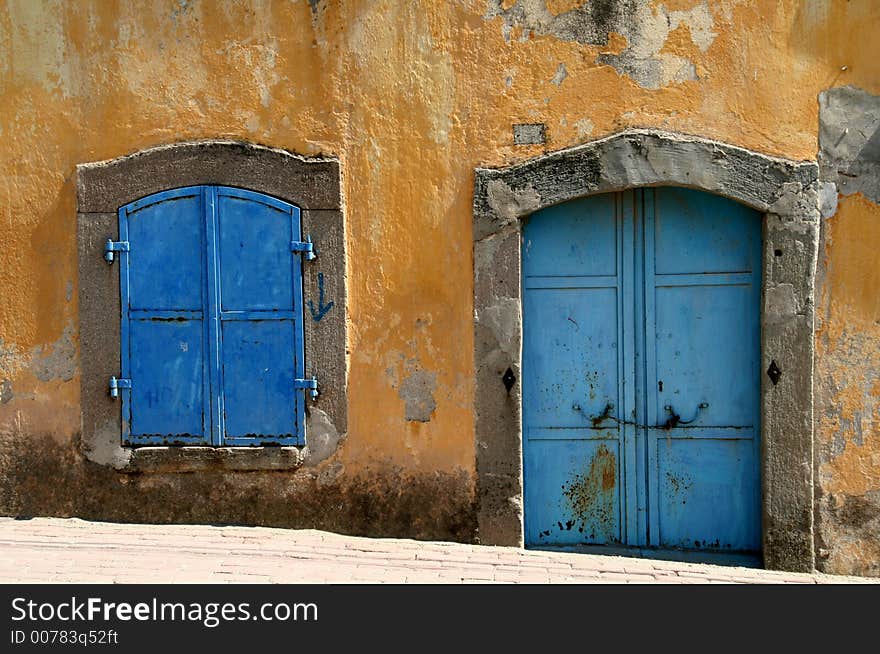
(116,384)
(306,247)
(310,385)
(114,246)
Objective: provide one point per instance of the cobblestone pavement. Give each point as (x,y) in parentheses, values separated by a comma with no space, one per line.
(73,550)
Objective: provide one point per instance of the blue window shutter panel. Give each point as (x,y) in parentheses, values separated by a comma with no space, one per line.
(163,321)
(260,316)
(212,310)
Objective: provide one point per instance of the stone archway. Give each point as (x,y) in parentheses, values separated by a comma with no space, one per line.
(786,192)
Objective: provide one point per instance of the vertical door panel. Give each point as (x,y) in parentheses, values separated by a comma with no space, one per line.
(696,232)
(163,329)
(704,356)
(703,281)
(166,262)
(573,491)
(573,364)
(707,493)
(571,357)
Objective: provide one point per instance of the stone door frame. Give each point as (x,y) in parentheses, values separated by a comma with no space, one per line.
(787,193)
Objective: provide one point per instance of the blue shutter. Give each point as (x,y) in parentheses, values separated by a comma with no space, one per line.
(163,320)
(260,311)
(212,333)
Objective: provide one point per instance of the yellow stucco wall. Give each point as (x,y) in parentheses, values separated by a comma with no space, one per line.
(410,96)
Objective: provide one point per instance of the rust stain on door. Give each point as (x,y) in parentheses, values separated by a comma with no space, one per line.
(590,496)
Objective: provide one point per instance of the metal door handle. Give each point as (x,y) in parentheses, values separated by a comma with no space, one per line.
(675,419)
(599,418)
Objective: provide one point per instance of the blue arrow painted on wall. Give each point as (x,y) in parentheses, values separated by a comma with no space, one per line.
(322,308)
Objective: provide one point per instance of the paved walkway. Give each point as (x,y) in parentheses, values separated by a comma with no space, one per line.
(72,550)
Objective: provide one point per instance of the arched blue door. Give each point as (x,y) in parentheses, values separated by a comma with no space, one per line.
(641,372)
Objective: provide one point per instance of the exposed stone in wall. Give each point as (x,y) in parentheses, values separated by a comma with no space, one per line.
(417,391)
(415,386)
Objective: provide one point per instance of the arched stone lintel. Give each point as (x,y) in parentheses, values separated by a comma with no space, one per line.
(637,158)
(787,192)
(308,182)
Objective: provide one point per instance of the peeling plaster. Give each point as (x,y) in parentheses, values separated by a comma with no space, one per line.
(59,362)
(584,127)
(645,28)
(849,140)
(848,335)
(11,359)
(417,391)
(323,439)
(560,75)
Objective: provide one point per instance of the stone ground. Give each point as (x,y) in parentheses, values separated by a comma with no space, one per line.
(50,550)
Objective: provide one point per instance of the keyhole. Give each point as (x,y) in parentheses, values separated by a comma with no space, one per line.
(660,386)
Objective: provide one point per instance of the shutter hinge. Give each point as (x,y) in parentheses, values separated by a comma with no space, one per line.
(116,384)
(310,385)
(114,246)
(304,246)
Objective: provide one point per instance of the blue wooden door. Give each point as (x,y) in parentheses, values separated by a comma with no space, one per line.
(211,333)
(641,355)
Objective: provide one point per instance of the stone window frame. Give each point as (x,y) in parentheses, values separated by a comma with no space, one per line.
(790,197)
(311,183)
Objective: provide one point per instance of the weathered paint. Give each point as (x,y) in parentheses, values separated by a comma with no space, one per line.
(642,355)
(411,96)
(848,379)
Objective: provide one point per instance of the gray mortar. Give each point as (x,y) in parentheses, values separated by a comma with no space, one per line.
(787,192)
(849,140)
(314,186)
